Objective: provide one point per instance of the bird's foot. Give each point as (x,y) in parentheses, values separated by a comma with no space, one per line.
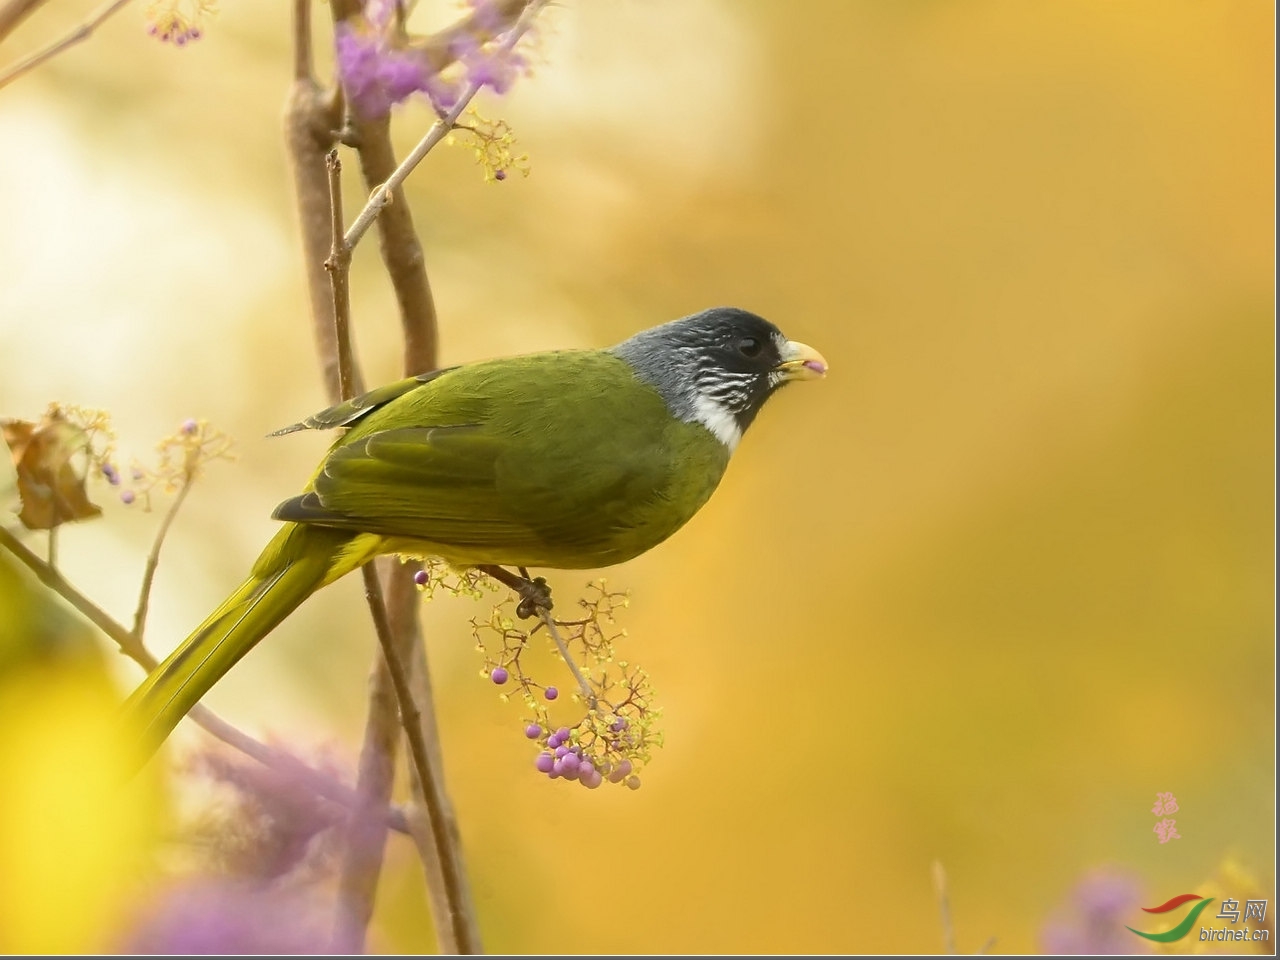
(533,592)
(535,595)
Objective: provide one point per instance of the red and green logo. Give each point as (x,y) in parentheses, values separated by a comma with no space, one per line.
(1182,929)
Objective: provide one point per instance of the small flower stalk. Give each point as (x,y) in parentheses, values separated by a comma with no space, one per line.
(181,457)
(494,145)
(179,21)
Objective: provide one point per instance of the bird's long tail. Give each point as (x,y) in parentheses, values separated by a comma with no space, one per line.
(297,562)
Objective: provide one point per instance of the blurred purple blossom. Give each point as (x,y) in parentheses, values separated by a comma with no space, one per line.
(376,75)
(494,69)
(1094,920)
(487,14)
(274,824)
(380,67)
(229,917)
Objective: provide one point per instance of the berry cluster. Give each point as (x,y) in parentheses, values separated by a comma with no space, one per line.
(617,734)
(563,757)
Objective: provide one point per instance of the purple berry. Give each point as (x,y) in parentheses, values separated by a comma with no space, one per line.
(569,773)
(127,497)
(499,675)
(562,734)
(544,762)
(137,473)
(110,472)
(617,774)
(551,693)
(562,751)
(533,731)
(420,577)
(553,741)
(499,174)
(618,725)
(189,426)
(633,782)
(592,780)
(569,763)
(586,768)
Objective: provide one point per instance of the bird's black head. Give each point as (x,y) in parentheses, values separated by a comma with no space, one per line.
(719,366)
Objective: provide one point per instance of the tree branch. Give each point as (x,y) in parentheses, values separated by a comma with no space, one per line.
(78,35)
(403,604)
(312,118)
(390,693)
(14,12)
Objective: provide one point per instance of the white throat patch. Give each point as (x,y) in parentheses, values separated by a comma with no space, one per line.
(717,418)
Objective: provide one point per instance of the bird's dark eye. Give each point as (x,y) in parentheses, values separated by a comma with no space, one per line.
(750,347)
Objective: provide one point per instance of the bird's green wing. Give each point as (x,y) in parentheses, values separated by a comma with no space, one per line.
(541,460)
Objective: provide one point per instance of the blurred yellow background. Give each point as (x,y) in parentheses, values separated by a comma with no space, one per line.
(976,598)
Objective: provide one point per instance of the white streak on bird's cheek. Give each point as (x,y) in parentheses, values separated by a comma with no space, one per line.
(717,418)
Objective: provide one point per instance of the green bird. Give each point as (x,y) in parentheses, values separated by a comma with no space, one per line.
(569,459)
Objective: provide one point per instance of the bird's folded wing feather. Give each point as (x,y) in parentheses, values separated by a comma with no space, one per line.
(457,485)
(349,411)
(557,448)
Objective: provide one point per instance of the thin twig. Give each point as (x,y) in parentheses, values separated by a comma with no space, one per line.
(59,584)
(14,12)
(339,266)
(78,35)
(451,868)
(944,907)
(153,560)
(382,195)
(403,604)
(132,647)
(303,62)
(545,615)
(365,840)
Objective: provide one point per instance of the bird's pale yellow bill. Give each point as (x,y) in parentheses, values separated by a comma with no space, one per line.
(801,362)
